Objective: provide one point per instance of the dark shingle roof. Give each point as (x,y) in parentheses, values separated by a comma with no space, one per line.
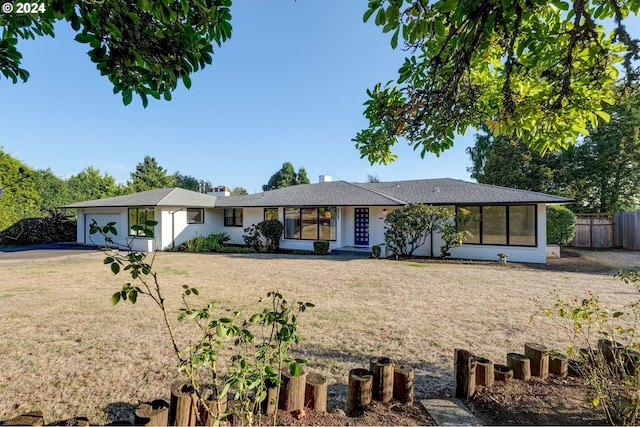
(443,191)
(454,191)
(159,197)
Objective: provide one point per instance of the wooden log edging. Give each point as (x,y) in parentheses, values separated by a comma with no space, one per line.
(292,390)
(403,384)
(183,408)
(154,413)
(485,372)
(558,364)
(383,373)
(359,395)
(465,374)
(315,396)
(538,354)
(520,365)
(502,373)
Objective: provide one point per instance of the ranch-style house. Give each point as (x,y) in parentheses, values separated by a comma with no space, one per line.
(349,215)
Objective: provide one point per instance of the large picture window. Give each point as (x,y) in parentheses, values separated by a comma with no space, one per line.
(310,223)
(233,217)
(502,225)
(139,216)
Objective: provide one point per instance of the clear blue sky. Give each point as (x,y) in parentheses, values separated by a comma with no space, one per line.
(288,86)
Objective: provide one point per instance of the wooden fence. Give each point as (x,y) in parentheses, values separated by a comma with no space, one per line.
(604,231)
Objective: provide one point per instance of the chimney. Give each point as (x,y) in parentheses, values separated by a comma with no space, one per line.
(219,192)
(325,178)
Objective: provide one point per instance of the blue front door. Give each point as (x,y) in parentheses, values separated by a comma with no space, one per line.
(362,227)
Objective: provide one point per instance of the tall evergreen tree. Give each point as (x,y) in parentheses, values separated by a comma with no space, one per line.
(149,175)
(286,177)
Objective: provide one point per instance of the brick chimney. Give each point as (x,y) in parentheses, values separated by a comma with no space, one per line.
(219,192)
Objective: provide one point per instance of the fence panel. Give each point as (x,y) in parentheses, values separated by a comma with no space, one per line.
(594,231)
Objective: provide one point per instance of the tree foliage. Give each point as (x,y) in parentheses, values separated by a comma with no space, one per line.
(601,171)
(604,169)
(189,182)
(90,184)
(408,227)
(21,198)
(561,225)
(542,71)
(286,177)
(239,191)
(149,175)
(143,47)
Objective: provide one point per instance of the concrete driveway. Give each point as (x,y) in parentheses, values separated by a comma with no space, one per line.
(49,251)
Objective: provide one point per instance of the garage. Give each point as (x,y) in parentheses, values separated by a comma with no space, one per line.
(102,220)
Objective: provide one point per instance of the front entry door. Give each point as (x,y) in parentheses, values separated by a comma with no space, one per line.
(361,227)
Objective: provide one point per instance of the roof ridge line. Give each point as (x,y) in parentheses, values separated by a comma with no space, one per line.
(172,189)
(377,192)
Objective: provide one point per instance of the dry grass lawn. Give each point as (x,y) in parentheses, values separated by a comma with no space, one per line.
(65,350)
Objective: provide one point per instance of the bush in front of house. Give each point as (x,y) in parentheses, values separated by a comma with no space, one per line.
(321,247)
(561,225)
(264,236)
(214,242)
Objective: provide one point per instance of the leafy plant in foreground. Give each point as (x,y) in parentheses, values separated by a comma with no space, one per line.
(603,346)
(260,343)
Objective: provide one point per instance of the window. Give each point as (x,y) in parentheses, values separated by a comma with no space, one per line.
(292,223)
(270,213)
(522,225)
(195,216)
(502,225)
(139,216)
(494,225)
(310,223)
(233,217)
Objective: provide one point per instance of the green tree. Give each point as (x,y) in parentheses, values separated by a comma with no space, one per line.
(561,225)
(189,182)
(540,70)
(504,161)
(142,47)
(20,196)
(409,226)
(239,191)
(53,191)
(90,184)
(604,168)
(149,175)
(286,177)
(373,177)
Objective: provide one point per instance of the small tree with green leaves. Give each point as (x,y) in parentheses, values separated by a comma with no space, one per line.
(561,225)
(603,345)
(261,342)
(453,231)
(409,226)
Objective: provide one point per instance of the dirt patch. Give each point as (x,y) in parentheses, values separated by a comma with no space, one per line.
(554,401)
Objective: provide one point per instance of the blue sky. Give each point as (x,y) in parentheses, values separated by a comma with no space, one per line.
(288,86)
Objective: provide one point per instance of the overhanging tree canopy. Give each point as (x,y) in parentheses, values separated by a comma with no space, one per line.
(540,70)
(144,47)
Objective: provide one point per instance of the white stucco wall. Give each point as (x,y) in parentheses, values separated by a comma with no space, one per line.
(175,230)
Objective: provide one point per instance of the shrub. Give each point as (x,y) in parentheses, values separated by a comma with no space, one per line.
(212,243)
(610,365)
(561,225)
(55,226)
(321,247)
(376,251)
(409,226)
(264,236)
